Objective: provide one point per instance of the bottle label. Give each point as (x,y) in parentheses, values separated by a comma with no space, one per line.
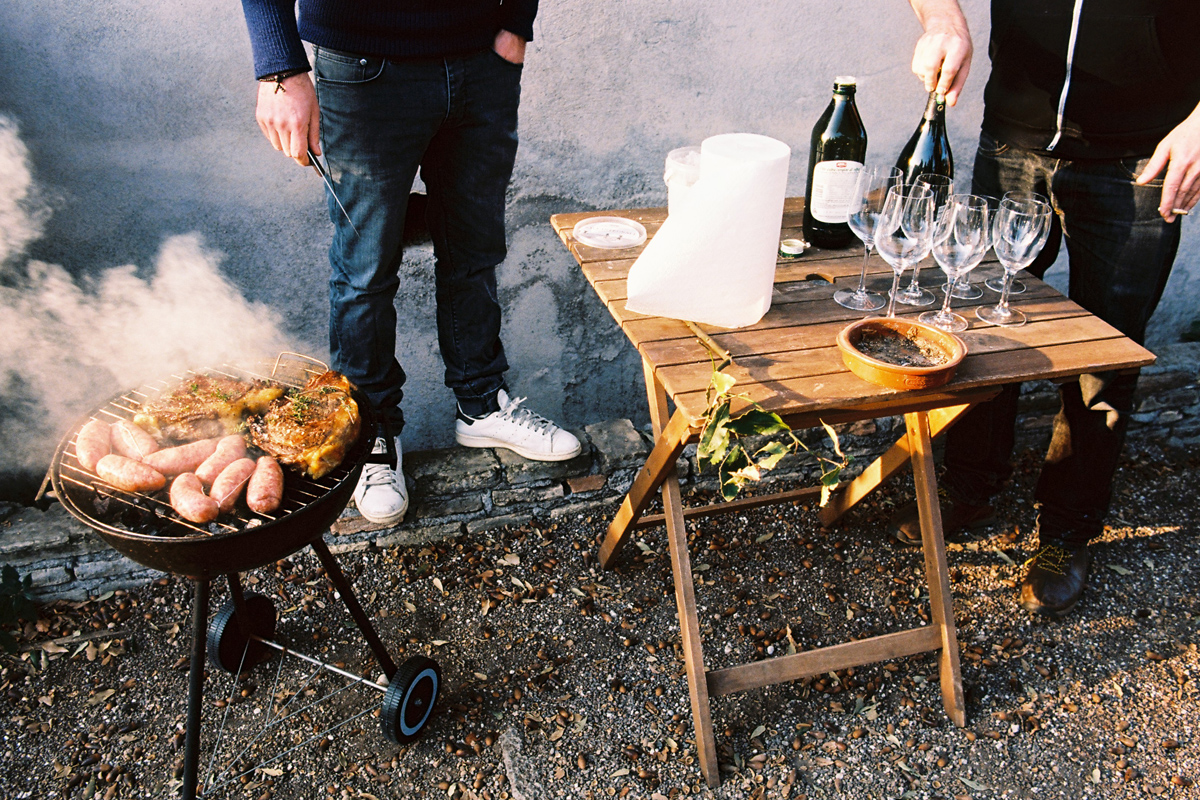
(832,185)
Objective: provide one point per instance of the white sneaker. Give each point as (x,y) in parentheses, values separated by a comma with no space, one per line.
(519,429)
(381,496)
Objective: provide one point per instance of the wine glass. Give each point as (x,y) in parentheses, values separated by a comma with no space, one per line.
(963,289)
(960,241)
(1018,235)
(905,231)
(941,187)
(866,206)
(997,283)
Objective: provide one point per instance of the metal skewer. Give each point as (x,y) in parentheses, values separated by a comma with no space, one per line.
(324,173)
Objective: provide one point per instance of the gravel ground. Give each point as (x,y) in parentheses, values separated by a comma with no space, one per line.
(563,680)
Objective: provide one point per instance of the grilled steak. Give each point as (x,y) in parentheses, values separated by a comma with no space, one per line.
(204,407)
(310,428)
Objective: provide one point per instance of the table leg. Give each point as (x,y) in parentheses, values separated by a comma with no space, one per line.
(921,445)
(669,443)
(685,593)
(886,466)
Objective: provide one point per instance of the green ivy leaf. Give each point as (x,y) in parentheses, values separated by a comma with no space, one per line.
(714,439)
(774,452)
(757,422)
(730,472)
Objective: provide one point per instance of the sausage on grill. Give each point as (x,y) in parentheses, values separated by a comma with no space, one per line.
(129,475)
(131,441)
(265,490)
(92,444)
(229,484)
(190,502)
(229,449)
(185,458)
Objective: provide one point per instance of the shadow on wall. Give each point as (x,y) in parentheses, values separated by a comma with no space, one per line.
(68,344)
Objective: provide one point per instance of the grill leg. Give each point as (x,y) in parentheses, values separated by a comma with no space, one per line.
(338,579)
(239,604)
(191,752)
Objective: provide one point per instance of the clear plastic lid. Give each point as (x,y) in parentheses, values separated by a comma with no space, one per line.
(609,232)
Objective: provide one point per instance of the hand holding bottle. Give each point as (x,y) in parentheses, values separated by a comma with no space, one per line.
(942,57)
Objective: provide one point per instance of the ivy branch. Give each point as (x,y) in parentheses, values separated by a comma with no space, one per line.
(722,446)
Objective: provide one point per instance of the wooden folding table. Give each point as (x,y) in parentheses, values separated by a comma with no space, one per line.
(788,362)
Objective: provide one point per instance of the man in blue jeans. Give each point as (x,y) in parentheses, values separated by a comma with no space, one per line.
(1088,103)
(397,87)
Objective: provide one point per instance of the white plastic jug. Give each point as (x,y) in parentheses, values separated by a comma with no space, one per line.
(681,173)
(713,260)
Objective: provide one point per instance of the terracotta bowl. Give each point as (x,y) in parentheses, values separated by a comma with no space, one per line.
(895,376)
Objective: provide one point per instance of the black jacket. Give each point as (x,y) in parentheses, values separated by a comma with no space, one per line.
(1134,74)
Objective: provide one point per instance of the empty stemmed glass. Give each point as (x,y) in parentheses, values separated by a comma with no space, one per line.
(1018,235)
(866,207)
(905,232)
(960,240)
(963,289)
(940,187)
(1017,287)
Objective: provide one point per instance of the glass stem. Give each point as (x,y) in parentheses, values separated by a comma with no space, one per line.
(891,312)
(862,278)
(915,287)
(1002,306)
(949,291)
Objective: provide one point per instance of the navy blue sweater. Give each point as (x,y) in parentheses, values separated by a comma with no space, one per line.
(389,28)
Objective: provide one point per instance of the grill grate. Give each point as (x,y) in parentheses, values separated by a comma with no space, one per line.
(154,512)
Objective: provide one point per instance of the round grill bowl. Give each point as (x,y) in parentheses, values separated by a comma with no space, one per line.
(239,543)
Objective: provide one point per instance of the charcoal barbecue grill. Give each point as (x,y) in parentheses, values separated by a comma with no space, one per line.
(145,528)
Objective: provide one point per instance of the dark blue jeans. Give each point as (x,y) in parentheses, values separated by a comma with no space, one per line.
(1120,252)
(456,119)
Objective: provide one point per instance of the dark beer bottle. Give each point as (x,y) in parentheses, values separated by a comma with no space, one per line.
(835,157)
(929,148)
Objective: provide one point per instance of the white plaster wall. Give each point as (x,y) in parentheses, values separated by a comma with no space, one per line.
(139,119)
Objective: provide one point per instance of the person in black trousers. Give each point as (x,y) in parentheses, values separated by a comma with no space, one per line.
(1093,104)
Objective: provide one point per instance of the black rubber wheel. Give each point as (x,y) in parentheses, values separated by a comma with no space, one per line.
(410,699)
(226,642)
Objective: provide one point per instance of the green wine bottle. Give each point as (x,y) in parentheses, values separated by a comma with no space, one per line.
(928,150)
(835,157)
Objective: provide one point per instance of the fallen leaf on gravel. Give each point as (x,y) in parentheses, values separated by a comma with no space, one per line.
(53,649)
(438,583)
(619,773)
(1007,560)
(1117,568)
(439,642)
(408,604)
(512,559)
(758,731)
(481,676)
(272,771)
(970,784)
(100,697)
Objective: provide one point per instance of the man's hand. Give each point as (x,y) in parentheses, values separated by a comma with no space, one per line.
(1179,153)
(942,58)
(510,47)
(289,116)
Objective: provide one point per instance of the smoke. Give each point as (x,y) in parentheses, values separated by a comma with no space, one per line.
(21,219)
(67,344)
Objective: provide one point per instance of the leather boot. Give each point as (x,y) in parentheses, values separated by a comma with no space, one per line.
(958,519)
(1055,579)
